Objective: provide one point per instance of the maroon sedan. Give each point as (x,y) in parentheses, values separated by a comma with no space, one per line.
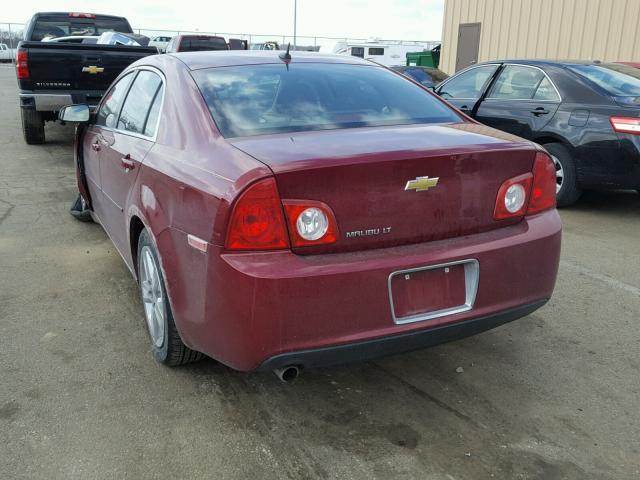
(283,213)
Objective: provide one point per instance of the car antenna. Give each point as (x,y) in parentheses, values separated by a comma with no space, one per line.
(286,56)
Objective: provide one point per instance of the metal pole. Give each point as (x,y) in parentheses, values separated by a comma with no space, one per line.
(295,19)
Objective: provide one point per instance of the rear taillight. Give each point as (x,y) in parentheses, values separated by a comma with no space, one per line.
(310,223)
(529,193)
(626,125)
(257,221)
(543,193)
(22,65)
(513,196)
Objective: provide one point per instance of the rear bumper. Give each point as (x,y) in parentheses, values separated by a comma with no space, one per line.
(402,343)
(251,310)
(54,101)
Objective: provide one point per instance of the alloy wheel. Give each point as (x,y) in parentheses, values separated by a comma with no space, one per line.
(152,297)
(559,173)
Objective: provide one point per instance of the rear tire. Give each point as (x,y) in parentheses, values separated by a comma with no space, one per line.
(32,126)
(567,191)
(166,344)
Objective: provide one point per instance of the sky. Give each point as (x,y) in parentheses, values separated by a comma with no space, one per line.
(388,19)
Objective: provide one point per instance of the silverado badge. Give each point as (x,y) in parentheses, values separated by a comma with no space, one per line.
(422,184)
(92,69)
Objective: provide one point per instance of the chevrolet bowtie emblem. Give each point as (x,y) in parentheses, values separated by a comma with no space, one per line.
(92,69)
(421,184)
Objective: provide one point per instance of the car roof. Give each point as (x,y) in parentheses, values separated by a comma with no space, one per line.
(222,58)
(545,62)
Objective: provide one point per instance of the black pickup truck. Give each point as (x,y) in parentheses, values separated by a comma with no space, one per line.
(58,63)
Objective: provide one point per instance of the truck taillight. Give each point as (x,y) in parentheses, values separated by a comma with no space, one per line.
(22,65)
(626,125)
(81,15)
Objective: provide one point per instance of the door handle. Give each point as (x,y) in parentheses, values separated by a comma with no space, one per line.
(464,108)
(127,163)
(540,111)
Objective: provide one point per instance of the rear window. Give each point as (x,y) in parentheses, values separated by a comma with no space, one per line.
(262,99)
(193,44)
(60,26)
(615,79)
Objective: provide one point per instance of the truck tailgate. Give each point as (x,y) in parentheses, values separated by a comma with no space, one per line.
(57,66)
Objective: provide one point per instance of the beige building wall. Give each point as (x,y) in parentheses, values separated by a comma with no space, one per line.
(604,30)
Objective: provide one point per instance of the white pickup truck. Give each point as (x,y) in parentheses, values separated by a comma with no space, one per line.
(5,53)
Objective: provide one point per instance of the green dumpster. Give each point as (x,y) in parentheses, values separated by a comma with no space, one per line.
(424,59)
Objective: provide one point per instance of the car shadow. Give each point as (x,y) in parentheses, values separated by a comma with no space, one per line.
(620,202)
(400,405)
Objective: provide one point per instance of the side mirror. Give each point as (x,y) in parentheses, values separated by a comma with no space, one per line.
(74,113)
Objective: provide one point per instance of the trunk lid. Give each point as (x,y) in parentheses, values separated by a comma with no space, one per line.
(362,175)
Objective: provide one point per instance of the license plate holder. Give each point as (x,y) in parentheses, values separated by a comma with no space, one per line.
(434,291)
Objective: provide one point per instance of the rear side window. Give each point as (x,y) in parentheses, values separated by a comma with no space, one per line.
(49,27)
(376,51)
(108,112)
(469,84)
(137,107)
(546,91)
(261,99)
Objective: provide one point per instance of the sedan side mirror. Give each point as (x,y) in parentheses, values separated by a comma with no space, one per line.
(74,113)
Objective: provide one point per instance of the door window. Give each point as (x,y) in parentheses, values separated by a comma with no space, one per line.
(137,107)
(108,112)
(519,82)
(469,84)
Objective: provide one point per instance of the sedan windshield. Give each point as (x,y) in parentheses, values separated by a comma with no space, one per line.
(274,98)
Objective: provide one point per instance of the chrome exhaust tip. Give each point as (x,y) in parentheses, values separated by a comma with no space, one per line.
(287,374)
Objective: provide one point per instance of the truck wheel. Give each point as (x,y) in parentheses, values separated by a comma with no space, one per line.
(567,190)
(32,126)
(166,344)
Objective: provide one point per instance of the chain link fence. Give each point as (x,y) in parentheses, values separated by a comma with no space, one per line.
(11,34)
